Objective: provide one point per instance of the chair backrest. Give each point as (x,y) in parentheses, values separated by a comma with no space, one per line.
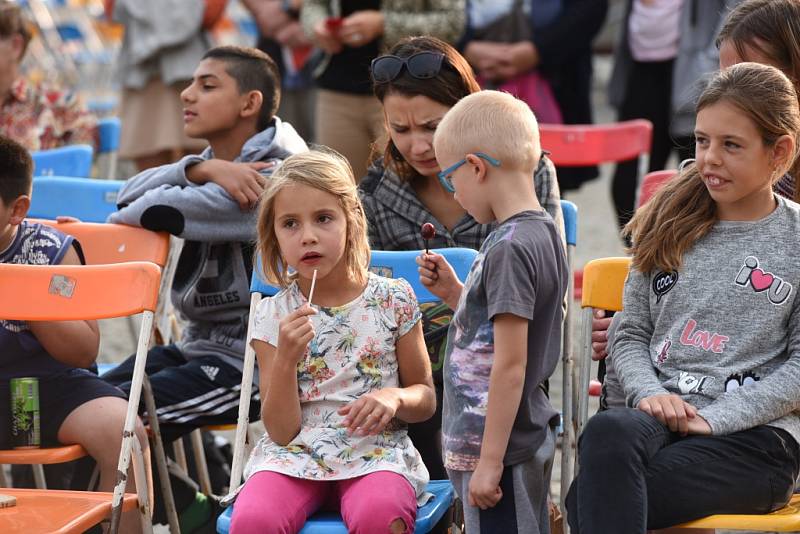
(116,243)
(87,200)
(576,145)
(71,160)
(402,264)
(109,130)
(603,283)
(392,264)
(570,211)
(651,183)
(72,292)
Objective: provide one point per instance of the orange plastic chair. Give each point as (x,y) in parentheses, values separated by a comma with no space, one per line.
(651,183)
(35,513)
(73,292)
(101,244)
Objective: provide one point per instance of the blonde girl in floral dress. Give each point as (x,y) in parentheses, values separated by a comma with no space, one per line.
(339,377)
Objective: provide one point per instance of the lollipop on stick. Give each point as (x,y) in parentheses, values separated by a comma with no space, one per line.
(428,232)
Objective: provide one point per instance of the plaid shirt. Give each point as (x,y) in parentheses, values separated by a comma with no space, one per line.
(395,214)
(40,117)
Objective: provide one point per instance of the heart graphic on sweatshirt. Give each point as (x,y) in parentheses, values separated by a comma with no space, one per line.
(760,280)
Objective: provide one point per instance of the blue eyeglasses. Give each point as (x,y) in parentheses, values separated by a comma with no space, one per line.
(447,181)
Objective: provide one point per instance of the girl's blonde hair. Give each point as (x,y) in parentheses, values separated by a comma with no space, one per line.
(682,212)
(328,171)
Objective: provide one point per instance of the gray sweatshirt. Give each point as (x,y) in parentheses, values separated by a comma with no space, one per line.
(211,288)
(724,331)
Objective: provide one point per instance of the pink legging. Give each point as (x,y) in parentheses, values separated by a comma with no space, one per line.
(277,503)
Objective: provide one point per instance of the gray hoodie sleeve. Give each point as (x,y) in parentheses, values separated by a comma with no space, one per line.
(768,399)
(162,199)
(632,342)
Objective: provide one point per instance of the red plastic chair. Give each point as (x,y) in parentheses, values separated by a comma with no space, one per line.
(580,145)
(651,183)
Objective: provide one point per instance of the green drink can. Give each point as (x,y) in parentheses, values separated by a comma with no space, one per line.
(25,433)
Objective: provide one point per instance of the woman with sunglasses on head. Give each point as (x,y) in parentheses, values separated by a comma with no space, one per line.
(351,33)
(417,82)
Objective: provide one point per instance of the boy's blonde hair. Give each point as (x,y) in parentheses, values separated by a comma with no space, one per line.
(495,123)
(328,171)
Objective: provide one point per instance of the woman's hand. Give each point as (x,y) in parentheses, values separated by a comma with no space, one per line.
(439,277)
(327,39)
(361,27)
(600,325)
(295,332)
(673,412)
(370,414)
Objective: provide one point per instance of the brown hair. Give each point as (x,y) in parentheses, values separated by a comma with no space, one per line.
(16,171)
(13,22)
(454,81)
(682,212)
(771,27)
(328,171)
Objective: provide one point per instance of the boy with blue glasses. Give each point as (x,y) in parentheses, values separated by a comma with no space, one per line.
(505,338)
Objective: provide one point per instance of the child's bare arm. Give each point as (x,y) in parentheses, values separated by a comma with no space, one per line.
(506,381)
(74,343)
(413,402)
(277,368)
(438,276)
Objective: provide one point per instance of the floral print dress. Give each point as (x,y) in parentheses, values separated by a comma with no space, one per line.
(352,354)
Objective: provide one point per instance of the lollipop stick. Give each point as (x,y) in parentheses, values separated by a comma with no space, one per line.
(313,282)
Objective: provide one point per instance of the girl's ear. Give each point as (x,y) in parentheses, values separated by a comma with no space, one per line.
(253,101)
(782,151)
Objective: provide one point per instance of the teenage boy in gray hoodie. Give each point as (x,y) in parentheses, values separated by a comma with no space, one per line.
(209,200)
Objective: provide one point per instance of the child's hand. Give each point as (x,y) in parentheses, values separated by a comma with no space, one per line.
(295,332)
(600,324)
(370,413)
(670,410)
(242,181)
(699,426)
(439,277)
(484,486)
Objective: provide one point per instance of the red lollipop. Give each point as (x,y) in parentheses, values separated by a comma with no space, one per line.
(428,232)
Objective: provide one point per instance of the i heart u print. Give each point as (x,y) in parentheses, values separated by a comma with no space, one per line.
(751,274)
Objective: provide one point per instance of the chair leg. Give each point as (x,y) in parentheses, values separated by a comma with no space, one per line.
(161,460)
(3,479)
(38,476)
(200,461)
(180,454)
(142,488)
(94,478)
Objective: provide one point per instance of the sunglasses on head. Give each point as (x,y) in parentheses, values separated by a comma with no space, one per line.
(422,65)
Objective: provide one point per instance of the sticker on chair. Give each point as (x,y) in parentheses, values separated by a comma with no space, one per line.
(62,286)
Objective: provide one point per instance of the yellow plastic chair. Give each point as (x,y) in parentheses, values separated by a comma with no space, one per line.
(603,285)
(75,292)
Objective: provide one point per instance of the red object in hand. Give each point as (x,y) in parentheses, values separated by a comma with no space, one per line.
(333,23)
(428,231)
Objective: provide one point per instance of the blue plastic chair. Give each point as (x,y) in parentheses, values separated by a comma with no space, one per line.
(109,131)
(87,200)
(70,160)
(391,264)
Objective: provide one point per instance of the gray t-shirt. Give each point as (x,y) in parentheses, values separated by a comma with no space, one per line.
(521,269)
(724,331)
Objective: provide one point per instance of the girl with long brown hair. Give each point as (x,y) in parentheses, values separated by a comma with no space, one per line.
(708,348)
